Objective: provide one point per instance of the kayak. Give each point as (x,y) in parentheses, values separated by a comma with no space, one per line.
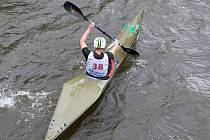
(81,92)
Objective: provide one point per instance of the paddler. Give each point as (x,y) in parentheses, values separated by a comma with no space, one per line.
(100,64)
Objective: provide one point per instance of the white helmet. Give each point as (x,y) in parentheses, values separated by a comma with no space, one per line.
(100,43)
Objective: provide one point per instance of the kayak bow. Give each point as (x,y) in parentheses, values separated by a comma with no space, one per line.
(81,92)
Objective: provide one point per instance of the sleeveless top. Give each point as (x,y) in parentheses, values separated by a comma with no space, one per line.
(97,67)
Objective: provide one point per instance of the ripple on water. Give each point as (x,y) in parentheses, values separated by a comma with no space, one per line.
(145,99)
(199,84)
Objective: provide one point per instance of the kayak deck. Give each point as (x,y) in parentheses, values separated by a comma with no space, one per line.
(76,94)
(81,92)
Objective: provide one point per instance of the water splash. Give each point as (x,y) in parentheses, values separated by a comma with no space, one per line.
(10,98)
(7,92)
(6,101)
(33,105)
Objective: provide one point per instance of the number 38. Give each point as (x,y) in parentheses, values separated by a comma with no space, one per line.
(99,66)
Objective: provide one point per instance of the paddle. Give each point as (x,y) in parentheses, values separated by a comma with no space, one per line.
(72,8)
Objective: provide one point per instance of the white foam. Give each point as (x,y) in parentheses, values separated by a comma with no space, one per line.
(8,98)
(6,102)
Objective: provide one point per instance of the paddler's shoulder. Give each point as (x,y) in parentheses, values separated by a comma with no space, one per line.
(86,52)
(110,54)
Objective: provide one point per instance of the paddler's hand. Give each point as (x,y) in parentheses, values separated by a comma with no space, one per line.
(116,42)
(91,26)
(116,46)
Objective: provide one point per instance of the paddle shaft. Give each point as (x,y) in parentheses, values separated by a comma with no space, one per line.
(100,29)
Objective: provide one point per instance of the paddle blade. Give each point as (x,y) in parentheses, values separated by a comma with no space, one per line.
(129,51)
(73,9)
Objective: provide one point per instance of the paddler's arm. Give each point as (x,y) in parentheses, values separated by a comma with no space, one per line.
(85,36)
(116,45)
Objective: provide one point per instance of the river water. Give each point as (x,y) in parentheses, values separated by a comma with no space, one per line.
(164,94)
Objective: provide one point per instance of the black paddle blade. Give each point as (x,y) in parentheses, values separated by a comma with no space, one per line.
(73,9)
(129,51)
